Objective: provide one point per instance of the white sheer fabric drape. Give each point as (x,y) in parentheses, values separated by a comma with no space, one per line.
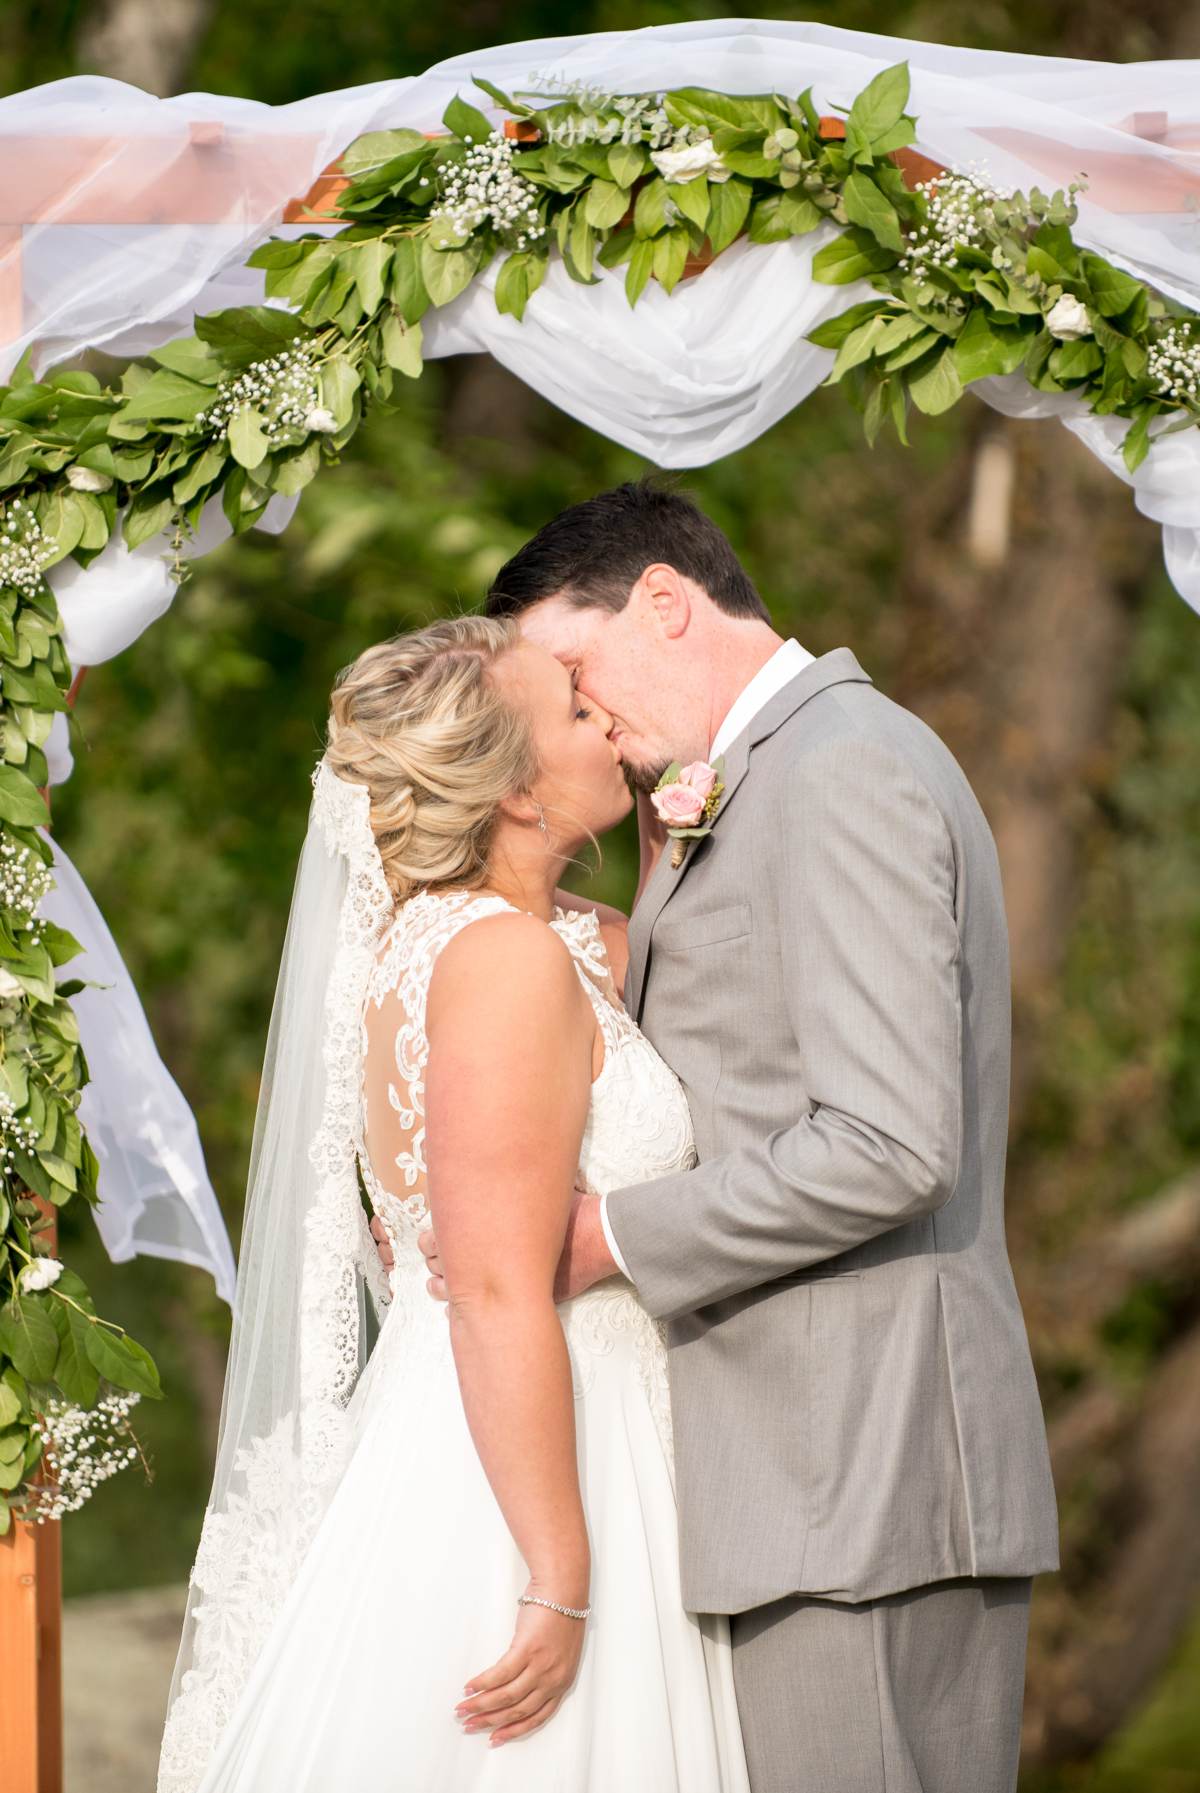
(682,380)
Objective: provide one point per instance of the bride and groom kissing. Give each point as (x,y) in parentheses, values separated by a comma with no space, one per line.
(699,1450)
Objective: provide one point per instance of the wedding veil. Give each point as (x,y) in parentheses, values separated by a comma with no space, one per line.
(307,1260)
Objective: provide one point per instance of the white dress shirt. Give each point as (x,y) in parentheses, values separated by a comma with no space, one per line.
(779,671)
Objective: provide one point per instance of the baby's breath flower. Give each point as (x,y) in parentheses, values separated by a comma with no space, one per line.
(23,549)
(24,881)
(282,388)
(83,1447)
(1174,363)
(958,214)
(15,1135)
(486,188)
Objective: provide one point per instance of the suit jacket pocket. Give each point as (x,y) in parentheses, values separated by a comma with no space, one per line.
(702,930)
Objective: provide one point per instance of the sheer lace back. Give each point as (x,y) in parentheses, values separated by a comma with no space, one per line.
(396,1049)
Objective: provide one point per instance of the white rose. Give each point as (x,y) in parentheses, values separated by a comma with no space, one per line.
(83,479)
(41,1274)
(1068,319)
(322,420)
(689,160)
(9,985)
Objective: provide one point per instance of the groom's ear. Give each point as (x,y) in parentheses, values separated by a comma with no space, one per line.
(665,594)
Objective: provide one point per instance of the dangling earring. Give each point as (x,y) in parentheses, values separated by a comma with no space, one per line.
(542,823)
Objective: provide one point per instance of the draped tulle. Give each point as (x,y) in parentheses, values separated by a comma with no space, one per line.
(682,379)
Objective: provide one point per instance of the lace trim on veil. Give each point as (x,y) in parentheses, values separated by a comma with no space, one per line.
(251,1547)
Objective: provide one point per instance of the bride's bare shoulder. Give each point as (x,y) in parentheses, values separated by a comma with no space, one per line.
(503,962)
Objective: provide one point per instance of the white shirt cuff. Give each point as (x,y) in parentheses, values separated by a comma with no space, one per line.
(612,1244)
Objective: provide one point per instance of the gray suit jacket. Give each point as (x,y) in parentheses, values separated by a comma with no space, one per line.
(854,1403)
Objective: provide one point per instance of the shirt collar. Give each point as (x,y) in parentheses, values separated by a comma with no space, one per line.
(787,660)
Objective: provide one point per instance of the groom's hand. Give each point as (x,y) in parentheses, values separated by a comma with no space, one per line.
(585,1258)
(379,1234)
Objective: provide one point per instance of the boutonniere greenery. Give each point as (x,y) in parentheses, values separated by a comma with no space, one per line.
(687,799)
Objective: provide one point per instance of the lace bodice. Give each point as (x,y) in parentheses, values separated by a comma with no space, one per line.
(638,1125)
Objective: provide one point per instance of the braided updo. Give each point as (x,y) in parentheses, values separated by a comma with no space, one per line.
(420,721)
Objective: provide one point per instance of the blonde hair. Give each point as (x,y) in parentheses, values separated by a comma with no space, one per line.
(421,722)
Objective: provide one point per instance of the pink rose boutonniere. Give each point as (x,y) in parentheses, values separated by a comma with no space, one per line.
(687,799)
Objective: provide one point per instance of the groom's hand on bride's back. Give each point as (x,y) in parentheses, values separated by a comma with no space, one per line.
(379,1234)
(585,1256)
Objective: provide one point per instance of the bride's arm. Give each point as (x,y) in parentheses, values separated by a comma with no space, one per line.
(506,1093)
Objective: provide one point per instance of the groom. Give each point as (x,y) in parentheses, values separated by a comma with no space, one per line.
(861,1462)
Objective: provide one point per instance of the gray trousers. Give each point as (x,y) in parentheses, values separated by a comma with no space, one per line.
(919,1692)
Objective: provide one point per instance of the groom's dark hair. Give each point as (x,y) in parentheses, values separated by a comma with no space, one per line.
(594,553)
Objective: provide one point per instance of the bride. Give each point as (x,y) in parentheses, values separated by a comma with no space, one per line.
(489,1501)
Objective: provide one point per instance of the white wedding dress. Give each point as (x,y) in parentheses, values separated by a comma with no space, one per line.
(409,1583)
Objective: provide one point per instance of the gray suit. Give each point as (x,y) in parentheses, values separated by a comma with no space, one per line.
(854,1404)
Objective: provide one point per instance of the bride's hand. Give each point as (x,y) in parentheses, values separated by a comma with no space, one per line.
(524,1690)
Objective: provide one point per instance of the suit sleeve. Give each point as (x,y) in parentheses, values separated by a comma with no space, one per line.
(864,899)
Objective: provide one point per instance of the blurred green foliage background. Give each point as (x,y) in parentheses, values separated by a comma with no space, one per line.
(1065,676)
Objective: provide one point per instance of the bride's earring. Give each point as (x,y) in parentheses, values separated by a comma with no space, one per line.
(541,822)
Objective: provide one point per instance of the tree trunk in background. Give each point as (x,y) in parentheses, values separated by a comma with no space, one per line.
(1017,665)
(149,43)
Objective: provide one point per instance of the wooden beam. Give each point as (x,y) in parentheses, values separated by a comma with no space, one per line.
(31,1650)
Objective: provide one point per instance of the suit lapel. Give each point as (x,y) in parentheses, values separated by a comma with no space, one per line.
(833,668)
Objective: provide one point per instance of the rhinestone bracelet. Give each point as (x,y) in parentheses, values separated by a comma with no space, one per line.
(568,1612)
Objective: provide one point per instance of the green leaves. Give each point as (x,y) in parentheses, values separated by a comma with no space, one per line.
(876,113)
(606,204)
(1112,291)
(247,438)
(938,386)
(446,272)
(167,394)
(729,207)
(28,1335)
(402,345)
(518,279)
(852,256)
(466,121)
(245,333)
(983,348)
(867,206)
(21,804)
(121,1360)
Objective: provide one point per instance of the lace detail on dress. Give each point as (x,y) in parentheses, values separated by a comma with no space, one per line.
(638,1127)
